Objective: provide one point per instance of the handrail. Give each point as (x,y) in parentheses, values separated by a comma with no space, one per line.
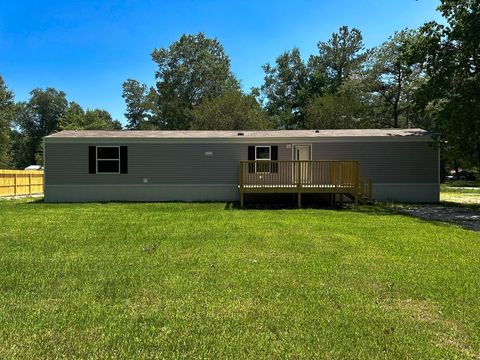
(335,174)
(365,189)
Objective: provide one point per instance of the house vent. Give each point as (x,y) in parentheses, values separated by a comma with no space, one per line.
(317,131)
(240,134)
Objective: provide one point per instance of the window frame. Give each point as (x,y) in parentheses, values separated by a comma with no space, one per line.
(97,159)
(269,158)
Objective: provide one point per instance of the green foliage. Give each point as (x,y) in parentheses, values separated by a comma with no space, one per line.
(285,89)
(139,104)
(394,79)
(190,70)
(38,117)
(46,112)
(351,107)
(449,101)
(98,119)
(232,110)
(292,88)
(342,56)
(177,280)
(75,118)
(338,111)
(6,119)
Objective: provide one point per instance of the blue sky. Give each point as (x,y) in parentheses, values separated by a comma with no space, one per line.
(88,48)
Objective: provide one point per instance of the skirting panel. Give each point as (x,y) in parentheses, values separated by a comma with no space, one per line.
(413,193)
(147,192)
(420,193)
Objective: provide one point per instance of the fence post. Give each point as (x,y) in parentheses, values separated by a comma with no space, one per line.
(14,184)
(29,184)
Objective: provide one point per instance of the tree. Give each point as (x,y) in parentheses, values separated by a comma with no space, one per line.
(192,69)
(232,110)
(98,119)
(340,57)
(139,103)
(394,78)
(448,101)
(345,109)
(35,119)
(6,117)
(38,117)
(75,118)
(18,149)
(285,89)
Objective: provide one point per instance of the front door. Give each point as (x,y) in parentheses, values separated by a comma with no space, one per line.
(302,153)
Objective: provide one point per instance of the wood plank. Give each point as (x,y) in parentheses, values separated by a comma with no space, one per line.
(21,182)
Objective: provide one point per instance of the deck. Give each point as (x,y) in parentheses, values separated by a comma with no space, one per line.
(340,177)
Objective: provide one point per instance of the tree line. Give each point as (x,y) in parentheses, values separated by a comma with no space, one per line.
(24,124)
(426,77)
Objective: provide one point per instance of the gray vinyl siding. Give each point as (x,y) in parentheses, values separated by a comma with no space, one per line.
(159,163)
(386,162)
(175,163)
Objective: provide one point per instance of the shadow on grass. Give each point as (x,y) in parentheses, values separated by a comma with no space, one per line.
(235,205)
(374,209)
(432,213)
(475,207)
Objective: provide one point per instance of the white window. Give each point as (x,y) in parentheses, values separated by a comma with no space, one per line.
(262,153)
(108,159)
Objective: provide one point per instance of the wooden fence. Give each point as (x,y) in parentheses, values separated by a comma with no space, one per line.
(21,182)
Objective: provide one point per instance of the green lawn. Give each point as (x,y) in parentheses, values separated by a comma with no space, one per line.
(462,196)
(198,281)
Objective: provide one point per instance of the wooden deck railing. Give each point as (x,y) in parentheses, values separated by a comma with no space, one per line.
(305,176)
(21,182)
(365,189)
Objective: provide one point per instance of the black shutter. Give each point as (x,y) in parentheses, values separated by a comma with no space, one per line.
(92,159)
(251,156)
(123,159)
(274,157)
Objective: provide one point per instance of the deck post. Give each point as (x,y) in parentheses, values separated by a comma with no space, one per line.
(339,179)
(299,174)
(240,170)
(357,180)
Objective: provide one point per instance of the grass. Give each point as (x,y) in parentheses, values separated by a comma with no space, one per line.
(180,280)
(460,196)
(462,183)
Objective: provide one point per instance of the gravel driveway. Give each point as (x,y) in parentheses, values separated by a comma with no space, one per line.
(465,217)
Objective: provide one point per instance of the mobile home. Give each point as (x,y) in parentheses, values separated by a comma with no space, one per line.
(387,164)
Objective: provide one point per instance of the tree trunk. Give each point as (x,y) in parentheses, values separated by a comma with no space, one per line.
(407,112)
(395,118)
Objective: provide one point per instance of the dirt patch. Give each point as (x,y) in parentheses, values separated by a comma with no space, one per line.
(465,217)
